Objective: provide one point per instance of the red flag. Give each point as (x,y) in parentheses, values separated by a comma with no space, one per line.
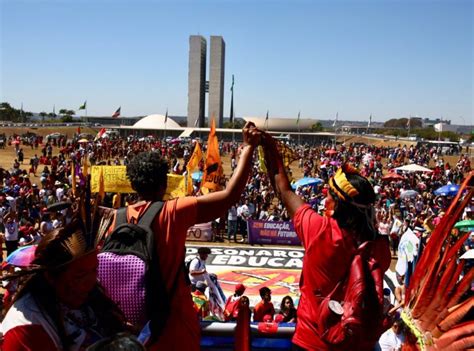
(78,130)
(117,113)
(101,132)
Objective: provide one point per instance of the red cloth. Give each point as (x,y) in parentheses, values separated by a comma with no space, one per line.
(261,309)
(28,337)
(328,255)
(231,310)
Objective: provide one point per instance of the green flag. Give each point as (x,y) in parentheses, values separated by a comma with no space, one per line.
(83,106)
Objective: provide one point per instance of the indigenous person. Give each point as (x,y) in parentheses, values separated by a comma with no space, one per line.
(287,310)
(147,172)
(329,241)
(264,307)
(60,305)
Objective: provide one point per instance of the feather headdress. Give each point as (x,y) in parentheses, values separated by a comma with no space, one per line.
(435,301)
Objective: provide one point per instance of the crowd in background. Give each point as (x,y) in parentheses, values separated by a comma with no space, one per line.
(405,202)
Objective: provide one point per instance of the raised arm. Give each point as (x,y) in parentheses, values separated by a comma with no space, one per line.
(214,205)
(278,177)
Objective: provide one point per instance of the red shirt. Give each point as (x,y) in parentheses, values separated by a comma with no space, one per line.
(328,254)
(261,309)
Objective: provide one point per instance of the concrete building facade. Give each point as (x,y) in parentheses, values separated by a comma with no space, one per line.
(197,81)
(216,80)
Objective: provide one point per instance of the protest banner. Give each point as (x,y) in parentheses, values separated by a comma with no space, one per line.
(115,181)
(272,232)
(200,232)
(176,187)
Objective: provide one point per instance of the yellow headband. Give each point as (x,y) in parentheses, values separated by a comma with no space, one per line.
(341,186)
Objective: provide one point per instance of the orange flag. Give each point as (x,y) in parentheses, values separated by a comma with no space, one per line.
(195,158)
(213,177)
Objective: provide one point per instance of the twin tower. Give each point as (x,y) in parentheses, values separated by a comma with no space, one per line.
(198,86)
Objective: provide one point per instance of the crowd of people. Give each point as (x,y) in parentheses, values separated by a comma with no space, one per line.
(364,204)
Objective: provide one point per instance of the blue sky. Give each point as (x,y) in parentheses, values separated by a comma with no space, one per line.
(386,58)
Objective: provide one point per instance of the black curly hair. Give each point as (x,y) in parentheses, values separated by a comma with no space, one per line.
(147,172)
(352,217)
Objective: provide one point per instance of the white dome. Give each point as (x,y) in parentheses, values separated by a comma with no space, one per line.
(155,122)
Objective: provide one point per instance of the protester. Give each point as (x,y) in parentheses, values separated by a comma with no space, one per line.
(287,310)
(232,304)
(197,267)
(328,241)
(148,177)
(393,338)
(60,305)
(264,307)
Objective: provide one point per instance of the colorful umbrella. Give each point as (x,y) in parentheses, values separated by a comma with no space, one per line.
(393,176)
(22,257)
(468,223)
(447,190)
(408,193)
(196,176)
(331,152)
(413,168)
(306,181)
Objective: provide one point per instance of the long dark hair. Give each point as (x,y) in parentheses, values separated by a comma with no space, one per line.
(357,216)
(53,253)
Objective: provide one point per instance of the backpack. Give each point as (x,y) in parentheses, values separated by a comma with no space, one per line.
(351,316)
(130,273)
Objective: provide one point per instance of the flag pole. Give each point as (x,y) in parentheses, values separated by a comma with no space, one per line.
(232,108)
(299,131)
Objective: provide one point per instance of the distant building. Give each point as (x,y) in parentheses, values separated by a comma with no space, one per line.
(216,79)
(197,81)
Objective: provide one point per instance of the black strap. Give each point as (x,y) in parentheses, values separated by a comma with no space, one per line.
(148,217)
(120,216)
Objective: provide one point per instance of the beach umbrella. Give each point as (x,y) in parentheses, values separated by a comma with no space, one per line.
(447,190)
(22,257)
(197,176)
(306,181)
(408,194)
(393,176)
(413,168)
(468,223)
